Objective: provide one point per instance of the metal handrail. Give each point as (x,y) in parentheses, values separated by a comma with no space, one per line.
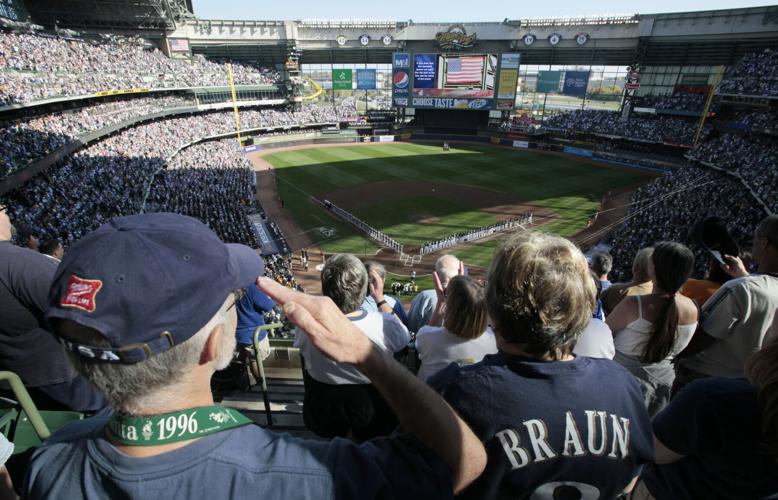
(25,401)
(261,368)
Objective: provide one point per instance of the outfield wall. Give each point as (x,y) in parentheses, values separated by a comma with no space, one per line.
(536,145)
(528,143)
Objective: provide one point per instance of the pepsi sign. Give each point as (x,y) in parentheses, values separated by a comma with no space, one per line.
(401,79)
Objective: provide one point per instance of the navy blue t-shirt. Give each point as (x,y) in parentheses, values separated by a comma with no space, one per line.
(245,462)
(251,310)
(551,428)
(715,424)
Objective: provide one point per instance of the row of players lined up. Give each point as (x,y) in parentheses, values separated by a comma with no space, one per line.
(474,234)
(546,416)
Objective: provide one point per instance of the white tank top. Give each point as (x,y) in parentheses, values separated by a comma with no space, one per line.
(633,338)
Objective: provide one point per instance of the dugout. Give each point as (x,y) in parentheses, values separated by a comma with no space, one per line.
(447,121)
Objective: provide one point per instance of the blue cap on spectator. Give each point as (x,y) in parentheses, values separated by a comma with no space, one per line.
(147,283)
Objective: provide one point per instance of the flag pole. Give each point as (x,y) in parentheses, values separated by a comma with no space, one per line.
(234,104)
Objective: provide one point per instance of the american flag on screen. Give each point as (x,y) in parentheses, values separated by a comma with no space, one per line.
(465,70)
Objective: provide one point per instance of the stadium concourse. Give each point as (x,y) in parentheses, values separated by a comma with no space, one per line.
(637,358)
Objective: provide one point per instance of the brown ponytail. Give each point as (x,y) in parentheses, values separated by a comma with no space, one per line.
(661,341)
(673,264)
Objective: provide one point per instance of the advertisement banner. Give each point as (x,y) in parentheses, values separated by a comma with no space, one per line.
(486,94)
(506,89)
(366,79)
(342,79)
(445,103)
(424,66)
(401,80)
(385,138)
(694,79)
(588,153)
(117,92)
(575,83)
(548,81)
(521,144)
(506,103)
(510,61)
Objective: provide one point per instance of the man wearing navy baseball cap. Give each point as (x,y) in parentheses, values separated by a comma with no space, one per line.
(145,308)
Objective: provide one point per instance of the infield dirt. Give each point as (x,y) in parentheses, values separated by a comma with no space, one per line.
(613,207)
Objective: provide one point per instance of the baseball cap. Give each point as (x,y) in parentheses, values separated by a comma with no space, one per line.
(147,283)
(712,235)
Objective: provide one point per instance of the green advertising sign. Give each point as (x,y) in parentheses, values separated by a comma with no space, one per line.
(341,79)
(548,81)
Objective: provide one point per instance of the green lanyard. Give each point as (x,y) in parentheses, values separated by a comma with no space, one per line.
(175,426)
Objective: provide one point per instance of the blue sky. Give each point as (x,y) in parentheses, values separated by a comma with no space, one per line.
(450,10)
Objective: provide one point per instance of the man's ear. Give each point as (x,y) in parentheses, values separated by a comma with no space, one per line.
(211,348)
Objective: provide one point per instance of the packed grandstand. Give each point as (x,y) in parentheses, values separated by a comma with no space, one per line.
(104,135)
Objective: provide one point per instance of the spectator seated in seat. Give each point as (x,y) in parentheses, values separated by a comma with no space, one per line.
(339,399)
(458,332)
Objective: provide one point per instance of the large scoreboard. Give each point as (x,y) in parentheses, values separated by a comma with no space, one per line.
(455,81)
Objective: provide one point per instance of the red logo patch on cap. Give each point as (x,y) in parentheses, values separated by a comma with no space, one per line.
(81,293)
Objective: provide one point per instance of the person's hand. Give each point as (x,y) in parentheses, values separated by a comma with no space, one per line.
(327,328)
(376,286)
(734,266)
(439,288)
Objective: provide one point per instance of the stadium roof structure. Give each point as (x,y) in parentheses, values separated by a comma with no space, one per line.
(109,14)
(703,38)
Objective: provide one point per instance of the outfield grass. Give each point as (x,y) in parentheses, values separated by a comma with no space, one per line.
(570,188)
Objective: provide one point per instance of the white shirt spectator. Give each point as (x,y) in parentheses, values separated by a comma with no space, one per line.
(738,316)
(633,338)
(384,330)
(438,348)
(596,341)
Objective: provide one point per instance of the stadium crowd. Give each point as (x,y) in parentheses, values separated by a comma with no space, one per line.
(755,74)
(658,129)
(626,418)
(212,182)
(758,119)
(677,102)
(42,66)
(753,158)
(672,400)
(667,207)
(28,139)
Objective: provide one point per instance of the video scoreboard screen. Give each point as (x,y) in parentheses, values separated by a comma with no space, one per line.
(455,81)
(443,75)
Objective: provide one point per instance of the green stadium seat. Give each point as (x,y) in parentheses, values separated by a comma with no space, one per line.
(22,423)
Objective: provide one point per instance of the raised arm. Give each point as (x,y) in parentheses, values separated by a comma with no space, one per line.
(441,429)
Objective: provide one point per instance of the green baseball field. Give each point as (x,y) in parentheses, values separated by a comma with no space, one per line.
(416,192)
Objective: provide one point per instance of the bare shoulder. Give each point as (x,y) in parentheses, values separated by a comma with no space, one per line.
(688,312)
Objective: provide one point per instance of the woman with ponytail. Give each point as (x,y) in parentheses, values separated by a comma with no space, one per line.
(649,330)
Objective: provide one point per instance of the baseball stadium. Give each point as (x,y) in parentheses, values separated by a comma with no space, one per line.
(490,223)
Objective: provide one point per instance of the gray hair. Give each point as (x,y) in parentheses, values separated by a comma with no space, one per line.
(640,265)
(372,265)
(139,388)
(447,266)
(344,280)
